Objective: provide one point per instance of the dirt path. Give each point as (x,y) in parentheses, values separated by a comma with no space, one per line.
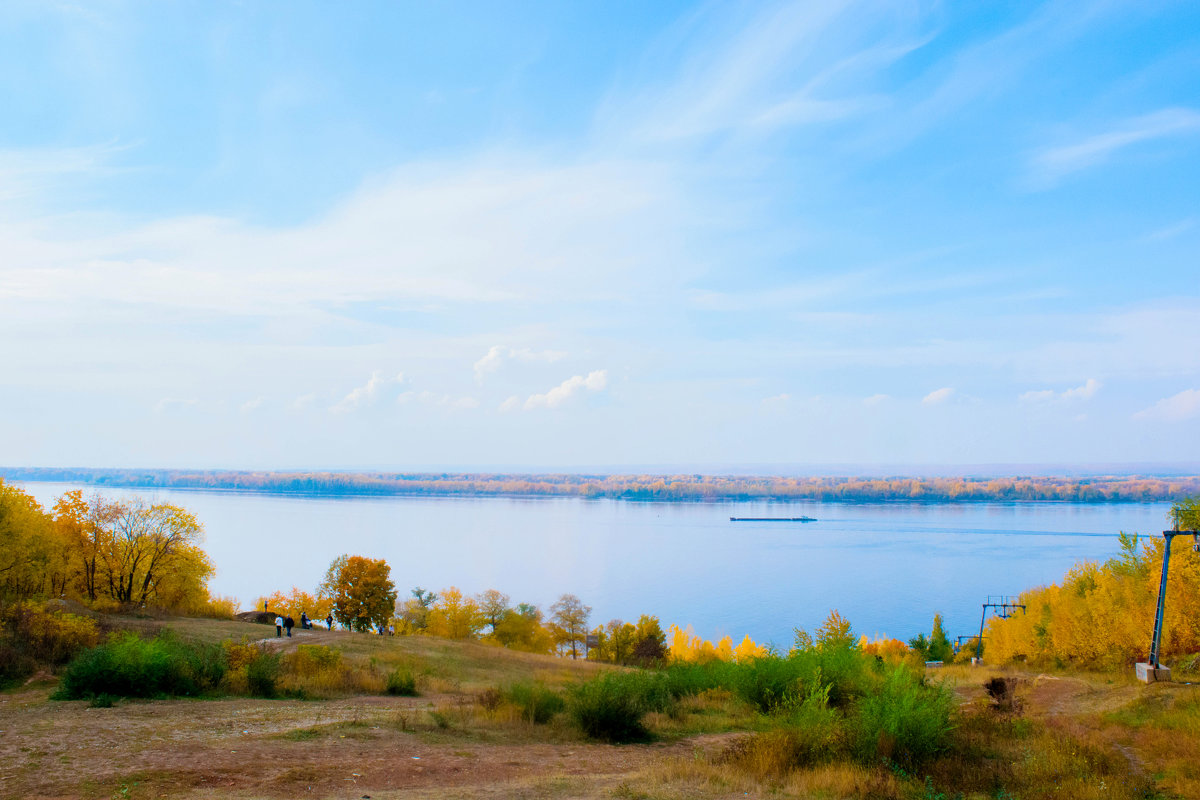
(377,746)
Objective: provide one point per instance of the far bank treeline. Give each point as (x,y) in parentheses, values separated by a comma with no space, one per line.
(642,487)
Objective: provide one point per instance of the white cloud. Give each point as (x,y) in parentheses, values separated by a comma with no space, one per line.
(777,400)
(511,404)
(366,394)
(876,399)
(1078,393)
(595,381)
(1176,408)
(498,354)
(1053,164)
(937,396)
(304,401)
(251,405)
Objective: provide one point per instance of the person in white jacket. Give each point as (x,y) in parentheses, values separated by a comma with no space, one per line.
(278,627)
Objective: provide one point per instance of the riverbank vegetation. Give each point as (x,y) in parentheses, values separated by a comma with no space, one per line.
(660,488)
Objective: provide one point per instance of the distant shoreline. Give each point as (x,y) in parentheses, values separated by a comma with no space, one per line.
(636,488)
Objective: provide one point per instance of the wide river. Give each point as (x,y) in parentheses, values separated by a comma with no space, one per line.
(886,567)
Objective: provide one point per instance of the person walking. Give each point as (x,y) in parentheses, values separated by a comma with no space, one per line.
(278,627)
(329,621)
(304,620)
(288,623)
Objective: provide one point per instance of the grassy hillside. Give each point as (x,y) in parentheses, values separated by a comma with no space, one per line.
(1064,735)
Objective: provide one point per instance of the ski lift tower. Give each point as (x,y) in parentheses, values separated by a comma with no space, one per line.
(1004,606)
(1151,669)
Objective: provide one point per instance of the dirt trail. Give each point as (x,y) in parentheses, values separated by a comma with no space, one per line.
(251,748)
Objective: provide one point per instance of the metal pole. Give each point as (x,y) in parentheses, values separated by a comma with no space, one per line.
(979,644)
(1162,597)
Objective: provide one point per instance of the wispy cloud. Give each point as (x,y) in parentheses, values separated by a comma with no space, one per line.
(498,354)
(1084,392)
(251,405)
(1050,166)
(1176,408)
(938,396)
(876,399)
(367,394)
(594,381)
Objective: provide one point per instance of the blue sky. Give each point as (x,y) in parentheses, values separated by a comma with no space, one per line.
(383,235)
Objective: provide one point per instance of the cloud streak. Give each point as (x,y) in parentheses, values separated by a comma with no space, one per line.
(1052,165)
(496,355)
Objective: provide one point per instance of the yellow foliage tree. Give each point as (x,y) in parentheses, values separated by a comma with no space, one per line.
(685,645)
(455,616)
(1101,615)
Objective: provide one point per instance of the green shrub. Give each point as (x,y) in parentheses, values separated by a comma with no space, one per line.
(770,683)
(401,682)
(612,706)
(262,674)
(690,678)
(537,703)
(127,666)
(905,720)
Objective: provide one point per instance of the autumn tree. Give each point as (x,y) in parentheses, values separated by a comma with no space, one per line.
(413,614)
(27,544)
(493,605)
(361,591)
(569,617)
(151,548)
(650,643)
(834,633)
(521,628)
(455,616)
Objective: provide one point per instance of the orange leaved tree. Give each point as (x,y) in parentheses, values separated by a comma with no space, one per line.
(361,591)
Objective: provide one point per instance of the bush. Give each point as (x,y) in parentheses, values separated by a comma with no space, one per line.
(689,678)
(401,682)
(15,663)
(262,674)
(48,636)
(770,683)
(537,703)
(127,666)
(612,706)
(905,721)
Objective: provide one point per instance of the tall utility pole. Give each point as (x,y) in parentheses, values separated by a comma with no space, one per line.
(1151,669)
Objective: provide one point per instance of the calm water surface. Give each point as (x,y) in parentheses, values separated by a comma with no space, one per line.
(885,567)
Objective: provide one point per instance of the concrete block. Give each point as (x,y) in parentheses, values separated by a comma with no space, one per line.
(1149,674)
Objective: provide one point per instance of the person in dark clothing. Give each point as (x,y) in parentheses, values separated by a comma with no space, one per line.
(329,621)
(304,620)
(289,623)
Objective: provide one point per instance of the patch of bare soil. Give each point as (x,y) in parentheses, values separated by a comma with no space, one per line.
(254,748)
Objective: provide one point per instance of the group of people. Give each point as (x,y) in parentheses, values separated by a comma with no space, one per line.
(287,623)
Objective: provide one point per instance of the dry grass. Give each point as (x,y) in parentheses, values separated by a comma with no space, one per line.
(1066,736)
